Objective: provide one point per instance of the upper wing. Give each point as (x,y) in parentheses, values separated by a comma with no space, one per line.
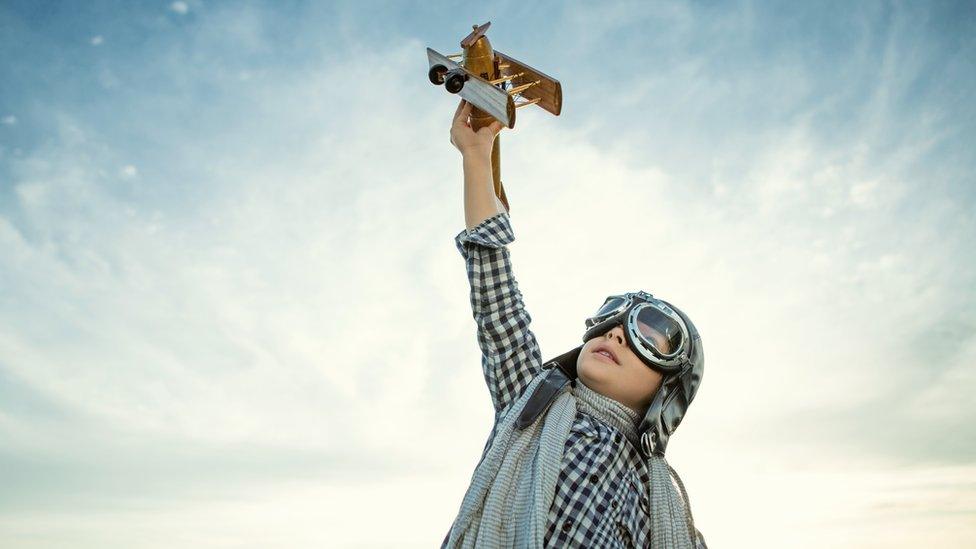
(479,92)
(548,91)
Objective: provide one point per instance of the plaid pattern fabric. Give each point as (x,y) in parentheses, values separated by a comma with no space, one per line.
(510,354)
(601,498)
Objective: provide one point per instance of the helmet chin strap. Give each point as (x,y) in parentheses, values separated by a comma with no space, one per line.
(653,433)
(651,425)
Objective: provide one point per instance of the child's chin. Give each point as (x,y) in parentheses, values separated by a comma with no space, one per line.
(593,370)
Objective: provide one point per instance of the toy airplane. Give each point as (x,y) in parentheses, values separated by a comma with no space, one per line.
(492,82)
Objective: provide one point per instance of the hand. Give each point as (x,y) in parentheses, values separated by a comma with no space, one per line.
(469,141)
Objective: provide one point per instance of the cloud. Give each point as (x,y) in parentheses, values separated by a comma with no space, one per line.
(233,272)
(179,7)
(128,171)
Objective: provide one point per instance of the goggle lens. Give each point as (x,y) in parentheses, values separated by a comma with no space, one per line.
(611,305)
(659,329)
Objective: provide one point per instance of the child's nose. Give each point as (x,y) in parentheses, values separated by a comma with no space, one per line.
(618,333)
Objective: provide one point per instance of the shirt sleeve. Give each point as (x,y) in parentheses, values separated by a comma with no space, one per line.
(510,354)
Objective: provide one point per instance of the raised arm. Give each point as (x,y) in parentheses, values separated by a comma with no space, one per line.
(510,353)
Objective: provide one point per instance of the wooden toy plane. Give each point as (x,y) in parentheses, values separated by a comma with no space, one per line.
(496,85)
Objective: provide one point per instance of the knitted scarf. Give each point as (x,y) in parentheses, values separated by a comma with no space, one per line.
(512,488)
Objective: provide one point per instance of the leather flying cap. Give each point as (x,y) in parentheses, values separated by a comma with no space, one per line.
(673,397)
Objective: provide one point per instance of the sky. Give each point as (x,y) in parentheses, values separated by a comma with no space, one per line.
(232,313)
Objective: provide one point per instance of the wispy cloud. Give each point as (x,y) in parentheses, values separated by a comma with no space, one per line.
(228,264)
(179,7)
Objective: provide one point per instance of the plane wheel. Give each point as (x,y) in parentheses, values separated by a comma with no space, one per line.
(455,82)
(436,74)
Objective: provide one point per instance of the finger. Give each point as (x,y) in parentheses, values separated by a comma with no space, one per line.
(493,128)
(462,117)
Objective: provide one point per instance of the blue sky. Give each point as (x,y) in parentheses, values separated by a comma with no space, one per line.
(232,313)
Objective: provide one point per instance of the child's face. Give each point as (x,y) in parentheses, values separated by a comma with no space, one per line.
(626,380)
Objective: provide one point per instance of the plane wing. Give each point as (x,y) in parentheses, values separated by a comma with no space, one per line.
(547,91)
(479,92)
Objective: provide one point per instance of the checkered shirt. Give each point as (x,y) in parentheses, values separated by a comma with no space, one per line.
(601,498)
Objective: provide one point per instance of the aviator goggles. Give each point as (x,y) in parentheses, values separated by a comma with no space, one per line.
(654,331)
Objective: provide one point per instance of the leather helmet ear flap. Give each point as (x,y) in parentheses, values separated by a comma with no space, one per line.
(653,412)
(566,362)
(678,391)
(652,429)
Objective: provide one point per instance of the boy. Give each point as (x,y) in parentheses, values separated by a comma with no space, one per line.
(576,454)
